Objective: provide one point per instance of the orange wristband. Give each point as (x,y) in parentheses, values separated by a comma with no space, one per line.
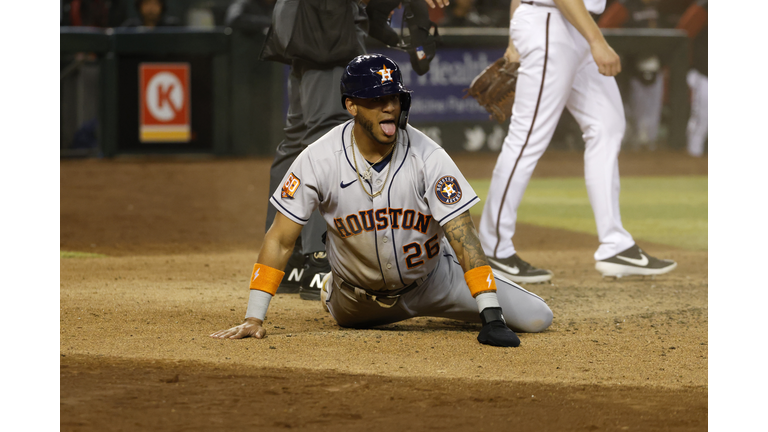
(480,280)
(265,278)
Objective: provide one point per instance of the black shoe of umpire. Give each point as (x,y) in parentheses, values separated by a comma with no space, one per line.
(294,270)
(316,266)
(518,271)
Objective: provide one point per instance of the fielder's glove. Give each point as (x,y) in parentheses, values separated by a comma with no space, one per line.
(495,331)
(494,89)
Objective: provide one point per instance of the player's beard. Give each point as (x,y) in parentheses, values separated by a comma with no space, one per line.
(368,127)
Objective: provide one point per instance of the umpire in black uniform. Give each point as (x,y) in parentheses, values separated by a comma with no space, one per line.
(317,38)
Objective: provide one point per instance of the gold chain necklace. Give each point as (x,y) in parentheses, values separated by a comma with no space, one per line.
(367,174)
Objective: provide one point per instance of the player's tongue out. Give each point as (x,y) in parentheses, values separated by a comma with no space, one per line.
(388,127)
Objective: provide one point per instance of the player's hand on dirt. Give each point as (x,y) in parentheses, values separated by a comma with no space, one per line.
(252,327)
(511,54)
(608,62)
(437,3)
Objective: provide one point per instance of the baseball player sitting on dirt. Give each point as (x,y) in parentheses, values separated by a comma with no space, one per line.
(400,239)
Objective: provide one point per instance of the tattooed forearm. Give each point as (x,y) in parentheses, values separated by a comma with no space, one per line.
(462,235)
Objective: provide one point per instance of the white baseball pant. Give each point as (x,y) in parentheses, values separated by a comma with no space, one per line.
(699,122)
(646,101)
(557,70)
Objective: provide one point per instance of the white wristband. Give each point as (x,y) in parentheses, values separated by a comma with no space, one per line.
(486,299)
(258,302)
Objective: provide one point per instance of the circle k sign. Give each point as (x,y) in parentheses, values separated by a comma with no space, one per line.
(164,102)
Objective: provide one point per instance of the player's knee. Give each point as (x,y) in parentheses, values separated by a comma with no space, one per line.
(617,129)
(611,130)
(539,318)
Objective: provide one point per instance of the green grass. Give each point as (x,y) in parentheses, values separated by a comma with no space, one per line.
(666,210)
(72,254)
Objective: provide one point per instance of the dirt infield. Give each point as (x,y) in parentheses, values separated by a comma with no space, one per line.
(181,237)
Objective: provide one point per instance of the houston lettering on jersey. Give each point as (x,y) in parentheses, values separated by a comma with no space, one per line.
(377,220)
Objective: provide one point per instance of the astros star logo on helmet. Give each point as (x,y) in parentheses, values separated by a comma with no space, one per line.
(386,74)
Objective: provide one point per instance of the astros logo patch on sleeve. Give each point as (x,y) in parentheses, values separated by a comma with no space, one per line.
(290,186)
(448,190)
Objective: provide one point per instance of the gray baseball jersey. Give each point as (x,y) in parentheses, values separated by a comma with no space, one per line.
(388,241)
(391,240)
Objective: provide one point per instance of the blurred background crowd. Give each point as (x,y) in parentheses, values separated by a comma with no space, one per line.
(643,82)
(255,14)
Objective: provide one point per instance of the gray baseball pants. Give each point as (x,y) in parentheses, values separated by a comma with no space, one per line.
(443,294)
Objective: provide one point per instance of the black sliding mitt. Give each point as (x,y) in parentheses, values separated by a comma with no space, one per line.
(495,331)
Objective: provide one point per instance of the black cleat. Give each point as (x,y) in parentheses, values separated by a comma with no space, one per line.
(316,266)
(518,271)
(634,262)
(294,270)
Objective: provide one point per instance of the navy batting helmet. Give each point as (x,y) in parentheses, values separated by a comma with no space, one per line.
(374,75)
